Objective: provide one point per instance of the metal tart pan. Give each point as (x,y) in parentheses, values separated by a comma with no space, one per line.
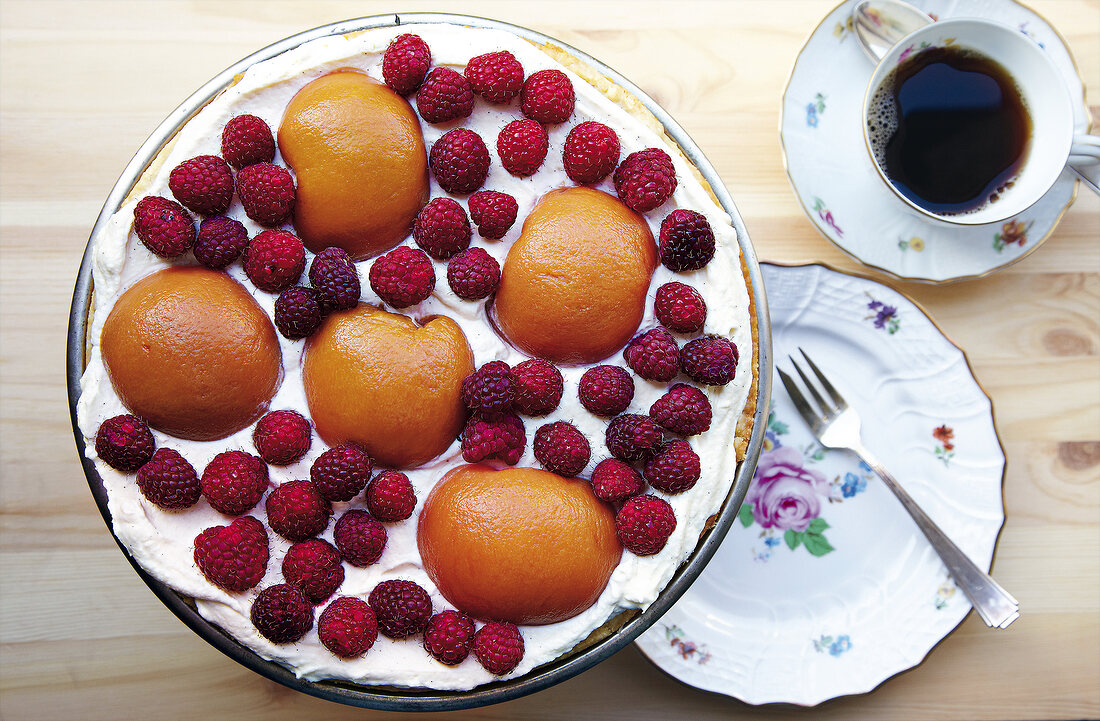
(389,697)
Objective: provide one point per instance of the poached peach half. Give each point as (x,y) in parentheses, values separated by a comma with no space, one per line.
(358,154)
(393,388)
(517,544)
(191,352)
(573,287)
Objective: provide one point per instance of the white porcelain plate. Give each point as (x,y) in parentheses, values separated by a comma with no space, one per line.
(825,587)
(836,183)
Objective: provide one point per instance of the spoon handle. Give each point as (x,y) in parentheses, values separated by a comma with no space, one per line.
(880,24)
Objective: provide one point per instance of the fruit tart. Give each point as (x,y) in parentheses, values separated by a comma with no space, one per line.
(418,357)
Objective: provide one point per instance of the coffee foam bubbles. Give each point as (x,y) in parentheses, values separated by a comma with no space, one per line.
(882,118)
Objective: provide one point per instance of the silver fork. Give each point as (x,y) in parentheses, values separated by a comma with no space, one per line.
(838,426)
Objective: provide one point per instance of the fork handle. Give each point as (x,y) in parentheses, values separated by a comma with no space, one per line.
(995,605)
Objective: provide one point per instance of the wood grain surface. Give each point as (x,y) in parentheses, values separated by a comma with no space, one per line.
(84,83)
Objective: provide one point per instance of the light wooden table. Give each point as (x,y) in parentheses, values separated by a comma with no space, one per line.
(85,82)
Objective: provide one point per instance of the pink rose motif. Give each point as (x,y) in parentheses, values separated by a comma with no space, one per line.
(783,494)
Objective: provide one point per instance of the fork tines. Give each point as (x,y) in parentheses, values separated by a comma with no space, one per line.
(812,417)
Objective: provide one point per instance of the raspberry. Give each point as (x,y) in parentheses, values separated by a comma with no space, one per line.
(124,443)
(606,390)
(522,146)
(500,437)
(297,312)
(334,277)
(680,308)
(632,437)
(267,193)
(498,646)
(459,161)
(341,472)
(538,387)
(674,469)
(282,613)
(445,95)
(297,511)
(282,437)
(710,360)
(653,355)
(390,497)
(314,566)
(687,241)
(247,140)
(203,184)
(348,627)
(405,63)
(497,77)
(221,241)
(490,389)
(274,260)
(442,229)
(473,274)
(449,637)
(169,481)
(684,410)
(547,96)
(163,226)
(402,277)
(234,482)
(591,152)
(493,212)
(644,524)
(360,538)
(614,481)
(233,557)
(403,608)
(645,179)
(561,448)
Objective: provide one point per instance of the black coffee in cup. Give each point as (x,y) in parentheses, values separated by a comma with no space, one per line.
(949,129)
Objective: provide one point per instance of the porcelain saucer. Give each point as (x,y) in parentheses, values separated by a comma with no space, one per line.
(835,180)
(825,587)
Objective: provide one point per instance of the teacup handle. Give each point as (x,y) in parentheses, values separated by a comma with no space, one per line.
(1085,150)
(1084,155)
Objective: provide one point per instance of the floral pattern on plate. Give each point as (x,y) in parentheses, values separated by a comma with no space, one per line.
(814,110)
(1012,232)
(787,494)
(688,650)
(883,317)
(826,216)
(945,451)
(915,244)
(944,593)
(833,646)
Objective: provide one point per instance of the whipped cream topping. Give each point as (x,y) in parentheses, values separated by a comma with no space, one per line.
(162,541)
